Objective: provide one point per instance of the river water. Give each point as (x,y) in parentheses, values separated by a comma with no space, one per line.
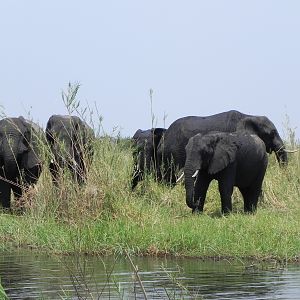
(27,275)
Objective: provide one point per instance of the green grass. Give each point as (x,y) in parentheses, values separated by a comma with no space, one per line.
(2,293)
(106,217)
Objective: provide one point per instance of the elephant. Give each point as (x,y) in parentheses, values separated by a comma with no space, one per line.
(171,151)
(71,143)
(233,159)
(20,157)
(145,144)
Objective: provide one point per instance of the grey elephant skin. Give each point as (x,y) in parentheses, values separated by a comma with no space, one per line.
(20,160)
(171,151)
(145,143)
(233,159)
(71,143)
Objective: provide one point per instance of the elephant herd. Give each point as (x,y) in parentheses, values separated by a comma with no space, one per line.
(70,143)
(230,147)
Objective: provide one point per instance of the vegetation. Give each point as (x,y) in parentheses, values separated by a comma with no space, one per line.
(106,217)
(2,293)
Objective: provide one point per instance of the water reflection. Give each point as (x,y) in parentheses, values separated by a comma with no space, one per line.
(26,275)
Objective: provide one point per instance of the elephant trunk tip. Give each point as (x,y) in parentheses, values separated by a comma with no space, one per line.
(189,188)
(281,156)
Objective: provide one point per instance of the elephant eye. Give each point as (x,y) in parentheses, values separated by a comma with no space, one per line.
(273,133)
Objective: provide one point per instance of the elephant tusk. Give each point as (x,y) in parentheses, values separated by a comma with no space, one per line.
(180,177)
(286,150)
(195,174)
(290,151)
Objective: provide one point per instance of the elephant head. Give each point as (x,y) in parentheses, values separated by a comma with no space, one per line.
(65,134)
(145,144)
(266,130)
(19,139)
(209,154)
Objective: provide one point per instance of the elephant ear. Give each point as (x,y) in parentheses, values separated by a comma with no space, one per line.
(35,139)
(158,133)
(49,133)
(262,127)
(224,154)
(136,135)
(259,125)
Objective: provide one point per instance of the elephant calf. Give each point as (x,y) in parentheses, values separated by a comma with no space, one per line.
(233,159)
(20,162)
(71,143)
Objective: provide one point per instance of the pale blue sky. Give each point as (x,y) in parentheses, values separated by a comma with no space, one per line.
(199,57)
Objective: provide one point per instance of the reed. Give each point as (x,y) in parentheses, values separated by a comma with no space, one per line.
(2,293)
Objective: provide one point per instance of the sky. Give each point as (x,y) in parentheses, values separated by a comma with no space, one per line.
(198,58)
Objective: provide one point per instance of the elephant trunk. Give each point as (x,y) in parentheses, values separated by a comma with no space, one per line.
(280,153)
(281,156)
(189,186)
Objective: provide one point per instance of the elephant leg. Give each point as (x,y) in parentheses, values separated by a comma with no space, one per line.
(167,172)
(80,171)
(5,194)
(79,176)
(54,170)
(201,187)
(226,189)
(249,205)
(169,176)
(172,178)
(250,196)
(137,176)
(226,183)
(252,193)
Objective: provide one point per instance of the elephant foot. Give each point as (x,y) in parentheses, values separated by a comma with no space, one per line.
(250,211)
(226,212)
(6,210)
(196,210)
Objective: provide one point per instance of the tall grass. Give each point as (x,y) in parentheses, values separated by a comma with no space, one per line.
(104,216)
(2,293)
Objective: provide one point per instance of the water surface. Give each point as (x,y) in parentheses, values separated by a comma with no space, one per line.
(27,275)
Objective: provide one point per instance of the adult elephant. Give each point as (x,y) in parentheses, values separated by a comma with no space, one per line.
(71,143)
(20,159)
(171,151)
(233,159)
(145,143)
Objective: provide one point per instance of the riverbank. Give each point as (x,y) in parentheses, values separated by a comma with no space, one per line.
(106,217)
